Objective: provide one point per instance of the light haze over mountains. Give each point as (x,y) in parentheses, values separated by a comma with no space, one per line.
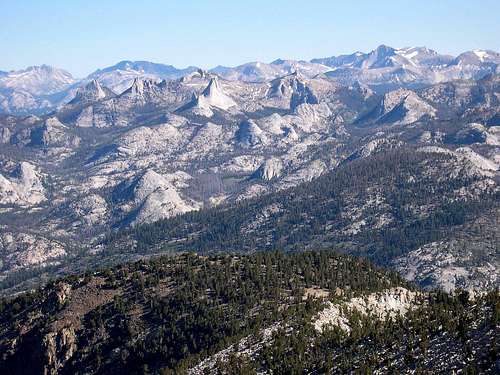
(40,89)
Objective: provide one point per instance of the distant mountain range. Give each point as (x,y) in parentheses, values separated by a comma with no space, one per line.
(41,89)
(106,161)
(184,210)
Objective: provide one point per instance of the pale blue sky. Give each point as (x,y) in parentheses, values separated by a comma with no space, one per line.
(81,36)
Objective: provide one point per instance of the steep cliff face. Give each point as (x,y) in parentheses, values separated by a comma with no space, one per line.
(58,347)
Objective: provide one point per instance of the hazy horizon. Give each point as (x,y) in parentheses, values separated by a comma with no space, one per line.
(81,37)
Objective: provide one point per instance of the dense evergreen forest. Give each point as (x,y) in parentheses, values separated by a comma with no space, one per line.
(421,203)
(168,314)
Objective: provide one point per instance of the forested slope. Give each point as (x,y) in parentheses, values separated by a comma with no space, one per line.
(382,207)
(269,312)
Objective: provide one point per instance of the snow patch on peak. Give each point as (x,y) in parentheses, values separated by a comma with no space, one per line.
(481,54)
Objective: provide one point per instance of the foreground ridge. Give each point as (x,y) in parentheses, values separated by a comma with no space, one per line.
(265,312)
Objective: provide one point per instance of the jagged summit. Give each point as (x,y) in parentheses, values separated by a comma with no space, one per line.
(92,92)
(295,127)
(213,96)
(42,89)
(292,88)
(142,88)
(379,58)
(286,85)
(120,76)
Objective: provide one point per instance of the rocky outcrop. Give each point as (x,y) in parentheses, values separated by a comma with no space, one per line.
(261,137)
(478,133)
(53,133)
(451,264)
(91,210)
(250,135)
(151,197)
(375,146)
(292,90)
(142,90)
(387,304)
(400,107)
(24,250)
(269,170)
(91,92)
(213,96)
(23,187)
(58,348)
(5,134)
